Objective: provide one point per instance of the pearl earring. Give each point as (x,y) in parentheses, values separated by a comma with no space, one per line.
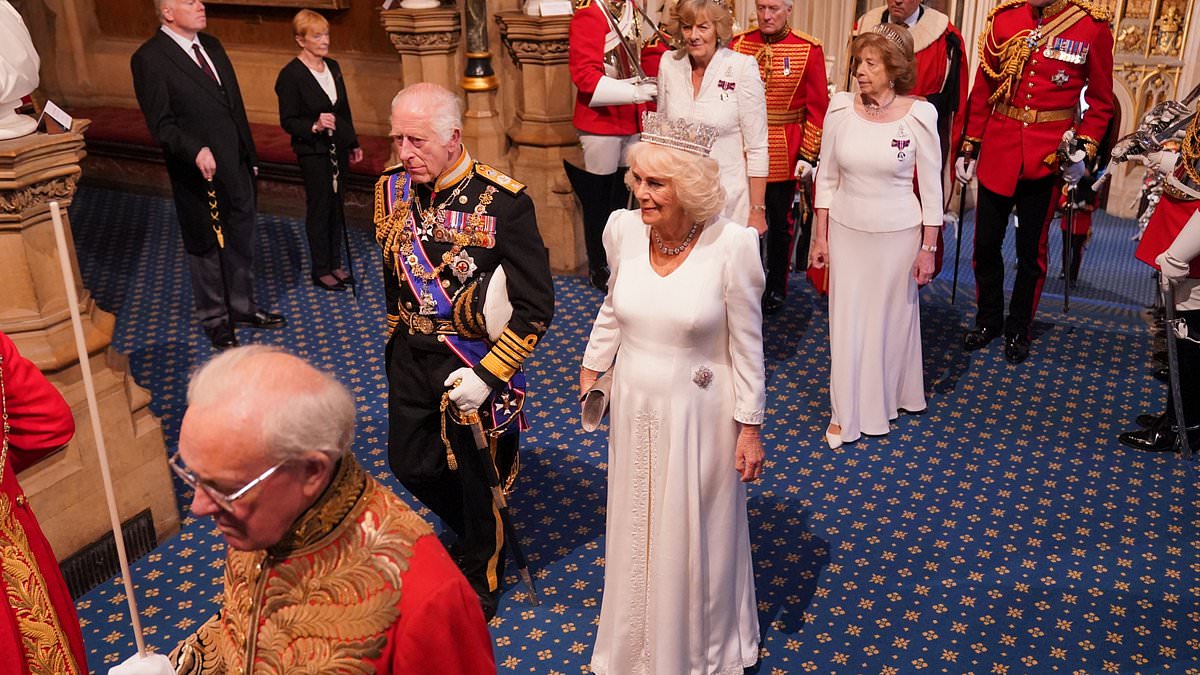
(891,84)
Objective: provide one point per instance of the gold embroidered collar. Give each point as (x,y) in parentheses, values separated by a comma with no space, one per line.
(778,37)
(328,513)
(455,173)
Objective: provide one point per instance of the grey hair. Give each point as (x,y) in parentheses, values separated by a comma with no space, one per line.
(301,408)
(696,179)
(443,107)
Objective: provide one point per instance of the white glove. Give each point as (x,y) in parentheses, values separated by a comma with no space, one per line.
(150,664)
(1073,172)
(611,91)
(644,91)
(1162,161)
(803,169)
(470,393)
(964,169)
(1170,268)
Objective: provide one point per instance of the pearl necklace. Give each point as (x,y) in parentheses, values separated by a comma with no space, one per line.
(875,109)
(674,250)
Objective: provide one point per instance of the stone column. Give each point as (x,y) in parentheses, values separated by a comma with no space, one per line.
(482,130)
(542,133)
(65,488)
(427,40)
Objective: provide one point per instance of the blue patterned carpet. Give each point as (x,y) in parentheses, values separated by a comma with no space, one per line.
(1003,531)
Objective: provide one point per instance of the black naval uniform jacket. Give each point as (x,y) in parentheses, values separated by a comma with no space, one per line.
(418,359)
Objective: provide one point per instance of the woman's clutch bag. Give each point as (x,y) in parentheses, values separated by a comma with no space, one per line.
(594,402)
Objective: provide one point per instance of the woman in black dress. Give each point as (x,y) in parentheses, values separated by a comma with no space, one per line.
(313,108)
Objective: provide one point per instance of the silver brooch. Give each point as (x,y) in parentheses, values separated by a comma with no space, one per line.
(702,376)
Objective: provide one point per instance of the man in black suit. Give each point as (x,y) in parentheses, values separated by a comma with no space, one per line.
(188,91)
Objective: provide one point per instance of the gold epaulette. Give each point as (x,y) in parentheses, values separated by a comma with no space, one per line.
(382,225)
(1098,12)
(582,4)
(499,178)
(805,36)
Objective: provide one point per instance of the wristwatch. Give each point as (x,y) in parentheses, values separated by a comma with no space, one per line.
(931,248)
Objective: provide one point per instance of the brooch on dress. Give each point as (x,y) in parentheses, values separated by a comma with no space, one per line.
(726,88)
(702,376)
(900,143)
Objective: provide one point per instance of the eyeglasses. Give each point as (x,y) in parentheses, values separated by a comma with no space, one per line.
(220,498)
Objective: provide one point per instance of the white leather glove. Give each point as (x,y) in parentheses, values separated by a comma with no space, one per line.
(1171,269)
(645,91)
(470,393)
(803,169)
(1162,161)
(964,169)
(611,91)
(150,664)
(1073,172)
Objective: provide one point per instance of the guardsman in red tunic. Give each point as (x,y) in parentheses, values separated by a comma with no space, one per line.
(613,57)
(792,66)
(1036,56)
(1171,243)
(39,632)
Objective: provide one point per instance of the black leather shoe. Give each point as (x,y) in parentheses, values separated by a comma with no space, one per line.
(1157,439)
(978,338)
(1162,375)
(337,285)
(1147,420)
(599,279)
(262,319)
(772,302)
(221,336)
(344,277)
(1016,348)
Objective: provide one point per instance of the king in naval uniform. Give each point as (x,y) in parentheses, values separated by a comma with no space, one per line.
(1036,57)
(792,67)
(469,295)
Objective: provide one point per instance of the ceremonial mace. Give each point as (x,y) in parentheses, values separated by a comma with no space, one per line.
(89,388)
(1167,293)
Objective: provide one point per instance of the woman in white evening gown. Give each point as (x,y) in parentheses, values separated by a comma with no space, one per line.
(877,236)
(705,81)
(681,327)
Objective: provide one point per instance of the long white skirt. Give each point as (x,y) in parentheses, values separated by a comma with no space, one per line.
(874,329)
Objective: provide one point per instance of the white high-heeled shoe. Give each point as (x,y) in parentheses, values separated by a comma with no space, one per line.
(832,437)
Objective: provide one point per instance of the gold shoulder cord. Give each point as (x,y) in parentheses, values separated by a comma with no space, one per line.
(1011,55)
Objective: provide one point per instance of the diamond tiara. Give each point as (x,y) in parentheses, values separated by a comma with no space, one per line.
(681,134)
(890,32)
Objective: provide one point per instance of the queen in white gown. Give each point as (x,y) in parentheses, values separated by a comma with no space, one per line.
(705,81)
(877,235)
(681,327)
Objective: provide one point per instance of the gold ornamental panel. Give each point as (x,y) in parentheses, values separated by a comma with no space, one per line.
(1150,36)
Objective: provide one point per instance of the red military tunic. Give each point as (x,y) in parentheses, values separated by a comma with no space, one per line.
(931,35)
(1025,96)
(39,631)
(792,67)
(589,32)
(1171,214)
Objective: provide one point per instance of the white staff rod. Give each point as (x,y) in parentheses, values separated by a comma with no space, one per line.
(89,387)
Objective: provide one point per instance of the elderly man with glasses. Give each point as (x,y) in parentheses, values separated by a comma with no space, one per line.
(326,569)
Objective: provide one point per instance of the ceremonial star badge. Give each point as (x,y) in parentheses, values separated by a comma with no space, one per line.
(1060,78)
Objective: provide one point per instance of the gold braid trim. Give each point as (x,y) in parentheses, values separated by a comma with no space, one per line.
(1190,150)
(42,638)
(1014,52)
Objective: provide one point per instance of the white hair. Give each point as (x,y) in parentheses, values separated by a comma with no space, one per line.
(301,408)
(443,107)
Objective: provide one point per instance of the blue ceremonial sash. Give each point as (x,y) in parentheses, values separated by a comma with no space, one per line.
(504,406)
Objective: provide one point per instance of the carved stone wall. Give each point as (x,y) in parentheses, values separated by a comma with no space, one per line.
(428,42)
(65,489)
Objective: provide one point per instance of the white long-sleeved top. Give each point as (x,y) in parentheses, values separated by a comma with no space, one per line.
(865,176)
(732,99)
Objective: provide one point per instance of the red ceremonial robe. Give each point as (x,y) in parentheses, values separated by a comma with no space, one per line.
(39,631)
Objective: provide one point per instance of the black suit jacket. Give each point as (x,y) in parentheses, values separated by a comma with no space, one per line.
(302,100)
(186,111)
